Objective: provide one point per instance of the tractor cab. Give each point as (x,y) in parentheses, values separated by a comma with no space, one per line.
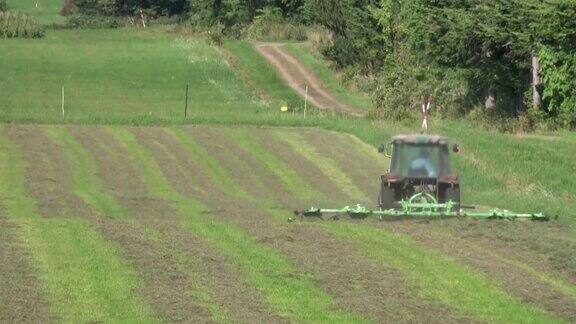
(424,157)
(418,163)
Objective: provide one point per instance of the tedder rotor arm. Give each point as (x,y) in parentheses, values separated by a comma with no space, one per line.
(360,211)
(419,207)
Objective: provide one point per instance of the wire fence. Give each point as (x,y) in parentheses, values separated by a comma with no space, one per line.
(69,102)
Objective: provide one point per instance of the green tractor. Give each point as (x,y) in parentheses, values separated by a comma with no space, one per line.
(419,164)
(419,183)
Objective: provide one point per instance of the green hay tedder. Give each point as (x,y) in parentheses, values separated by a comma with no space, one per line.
(419,183)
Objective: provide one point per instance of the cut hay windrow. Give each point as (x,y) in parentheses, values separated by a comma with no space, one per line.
(87,185)
(332,261)
(287,176)
(83,277)
(324,163)
(176,282)
(439,277)
(288,293)
(219,175)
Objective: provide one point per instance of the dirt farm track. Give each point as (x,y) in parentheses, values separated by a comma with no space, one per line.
(199,216)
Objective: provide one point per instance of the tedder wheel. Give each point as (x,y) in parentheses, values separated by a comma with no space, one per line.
(387,197)
(453,193)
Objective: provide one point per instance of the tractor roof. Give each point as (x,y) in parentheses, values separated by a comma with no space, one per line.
(419,139)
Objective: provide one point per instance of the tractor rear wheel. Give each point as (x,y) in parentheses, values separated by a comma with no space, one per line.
(453,193)
(387,197)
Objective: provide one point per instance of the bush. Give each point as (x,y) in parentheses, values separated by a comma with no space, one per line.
(3,6)
(269,25)
(268,31)
(403,83)
(93,22)
(18,25)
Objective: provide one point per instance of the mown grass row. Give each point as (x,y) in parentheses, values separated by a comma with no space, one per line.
(434,275)
(86,182)
(325,164)
(83,277)
(87,186)
(288,293)
(287,176)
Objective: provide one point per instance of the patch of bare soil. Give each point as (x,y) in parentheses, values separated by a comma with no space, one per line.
(478,248)
(178,260)
(21,296)
(356,284)
(297,76)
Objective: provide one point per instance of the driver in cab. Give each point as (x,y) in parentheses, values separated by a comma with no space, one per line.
(422,165)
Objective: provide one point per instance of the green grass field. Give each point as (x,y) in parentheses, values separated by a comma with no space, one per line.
(121,75)
(123,214)
(45,11)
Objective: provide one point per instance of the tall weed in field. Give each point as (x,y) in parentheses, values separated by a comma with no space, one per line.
(15,24)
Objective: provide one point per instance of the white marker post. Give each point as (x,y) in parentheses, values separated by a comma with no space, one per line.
(306,101)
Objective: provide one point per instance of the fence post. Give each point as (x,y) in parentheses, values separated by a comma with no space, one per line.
(186,104)
(306,101)
(63,113)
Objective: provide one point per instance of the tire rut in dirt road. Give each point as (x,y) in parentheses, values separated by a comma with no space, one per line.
(297,77)
(492,256)
(184,262)
(355,284)
(21,296)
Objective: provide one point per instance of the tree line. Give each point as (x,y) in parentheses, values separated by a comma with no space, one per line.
(505,58)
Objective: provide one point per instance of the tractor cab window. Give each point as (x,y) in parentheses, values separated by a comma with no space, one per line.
(416,160)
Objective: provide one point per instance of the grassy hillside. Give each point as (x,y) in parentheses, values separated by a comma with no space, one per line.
(45,11)
(118,75)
